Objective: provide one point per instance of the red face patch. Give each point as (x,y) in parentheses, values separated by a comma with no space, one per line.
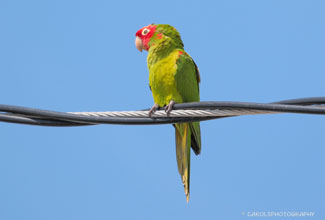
(145,34)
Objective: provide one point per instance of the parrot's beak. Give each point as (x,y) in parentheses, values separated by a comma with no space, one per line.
(138,43)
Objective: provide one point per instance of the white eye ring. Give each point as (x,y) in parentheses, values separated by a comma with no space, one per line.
(145,31)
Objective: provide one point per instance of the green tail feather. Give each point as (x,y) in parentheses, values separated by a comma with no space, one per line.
(183,154)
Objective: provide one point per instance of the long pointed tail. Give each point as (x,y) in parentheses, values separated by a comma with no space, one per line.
(183,154)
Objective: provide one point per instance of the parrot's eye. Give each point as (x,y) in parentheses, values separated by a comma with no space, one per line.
(145,31)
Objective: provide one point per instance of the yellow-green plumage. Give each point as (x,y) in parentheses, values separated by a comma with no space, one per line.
(173,75)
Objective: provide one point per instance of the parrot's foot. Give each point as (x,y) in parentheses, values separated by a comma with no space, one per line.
(153,109)
(169,107)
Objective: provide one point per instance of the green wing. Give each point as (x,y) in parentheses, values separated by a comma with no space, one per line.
(187,79)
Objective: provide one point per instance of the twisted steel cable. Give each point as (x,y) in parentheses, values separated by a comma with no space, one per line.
(185,112)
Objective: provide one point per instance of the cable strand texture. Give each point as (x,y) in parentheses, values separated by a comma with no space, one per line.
(184,112)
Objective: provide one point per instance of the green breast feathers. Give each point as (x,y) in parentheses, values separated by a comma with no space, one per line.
(173,77)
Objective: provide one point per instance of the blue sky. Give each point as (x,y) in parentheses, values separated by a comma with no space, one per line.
(80,56)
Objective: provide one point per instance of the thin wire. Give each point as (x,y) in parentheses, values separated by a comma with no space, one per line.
(185,112)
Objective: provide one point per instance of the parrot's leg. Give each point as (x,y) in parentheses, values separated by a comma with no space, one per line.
(169,107)
(153,109)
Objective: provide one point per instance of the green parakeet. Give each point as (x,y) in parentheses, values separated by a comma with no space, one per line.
(173,78)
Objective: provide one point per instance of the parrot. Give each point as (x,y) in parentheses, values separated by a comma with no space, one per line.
(173,78)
